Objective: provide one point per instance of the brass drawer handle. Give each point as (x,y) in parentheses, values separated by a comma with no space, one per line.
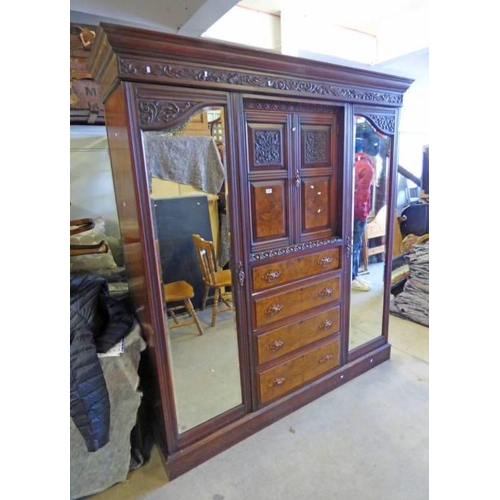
(277,382)
(325,261)
(275,345)
(273,310)
(326,292)
(271,276)
(326,358)
(326,325)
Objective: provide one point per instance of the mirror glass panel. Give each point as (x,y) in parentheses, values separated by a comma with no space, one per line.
(370,195)
(189,196)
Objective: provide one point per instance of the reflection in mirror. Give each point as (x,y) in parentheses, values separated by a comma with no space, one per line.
(189,194)
(370,195)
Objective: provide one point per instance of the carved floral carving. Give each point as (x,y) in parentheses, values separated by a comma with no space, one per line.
(348,247)
(291,249)
(316,146)
(267,148)
(152,111)
(130,66)
(386,123)
(287,106)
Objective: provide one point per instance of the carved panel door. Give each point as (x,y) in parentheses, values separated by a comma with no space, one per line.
(268,175)
(292,156)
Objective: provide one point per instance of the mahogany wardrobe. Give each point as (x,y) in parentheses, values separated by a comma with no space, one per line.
(254,152)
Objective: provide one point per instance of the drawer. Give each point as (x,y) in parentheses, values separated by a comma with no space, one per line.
(289,338)
(293,269)
(290,375)
(283,305)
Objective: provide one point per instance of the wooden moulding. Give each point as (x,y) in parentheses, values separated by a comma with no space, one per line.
(148,56)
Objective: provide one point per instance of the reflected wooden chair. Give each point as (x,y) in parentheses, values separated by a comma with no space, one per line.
(374,229)
(181,291)
(213,278)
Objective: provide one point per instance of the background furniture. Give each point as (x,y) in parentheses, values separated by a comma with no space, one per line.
(373,238)
(85,100)
(288,157)
(178,259)
(180,291)
(215,280)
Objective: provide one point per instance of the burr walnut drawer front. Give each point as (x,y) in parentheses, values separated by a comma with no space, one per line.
(275,343)
(292,269)
(292,374)
(284,305)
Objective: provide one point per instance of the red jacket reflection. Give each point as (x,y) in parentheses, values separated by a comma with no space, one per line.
(364,173)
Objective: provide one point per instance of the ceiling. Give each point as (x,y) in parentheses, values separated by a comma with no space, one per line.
(386,22)
(362,15)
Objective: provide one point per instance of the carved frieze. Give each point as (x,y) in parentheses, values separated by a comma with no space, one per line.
(177,72)
(287,106)
(291,249)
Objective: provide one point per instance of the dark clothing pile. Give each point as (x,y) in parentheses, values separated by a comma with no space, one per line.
(98,322)
(413,302)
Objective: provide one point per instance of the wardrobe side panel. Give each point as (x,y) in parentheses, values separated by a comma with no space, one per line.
(125,184)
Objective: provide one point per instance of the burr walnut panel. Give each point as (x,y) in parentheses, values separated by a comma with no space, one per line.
(269,202)
(283,305)
(279,273)
(292,374)
(316,202)
(278,342)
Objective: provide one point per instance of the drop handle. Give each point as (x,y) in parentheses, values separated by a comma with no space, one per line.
(325,261)
(275,345)
(325,325)
(273,309)
(326,292)
(277,382)
(326,358)
(271,276)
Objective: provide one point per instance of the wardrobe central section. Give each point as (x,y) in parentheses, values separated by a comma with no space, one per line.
(294,188)
(291,166)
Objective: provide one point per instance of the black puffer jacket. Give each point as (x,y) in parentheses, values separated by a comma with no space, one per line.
(97,323)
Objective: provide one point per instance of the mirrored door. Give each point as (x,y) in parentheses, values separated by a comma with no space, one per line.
(369,236)
(189,194)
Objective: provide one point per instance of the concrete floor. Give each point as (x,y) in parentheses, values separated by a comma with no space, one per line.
(206,371)
(366,440)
